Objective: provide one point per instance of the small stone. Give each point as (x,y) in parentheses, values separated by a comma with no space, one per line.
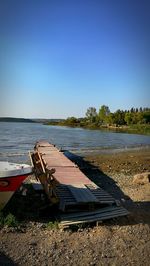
(33,243)
(141,179)
(71,251)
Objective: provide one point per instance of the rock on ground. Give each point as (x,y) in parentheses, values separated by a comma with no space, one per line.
(141,179)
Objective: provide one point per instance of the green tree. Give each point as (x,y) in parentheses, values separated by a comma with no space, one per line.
(119,117)
(128,118)
(146,117)
(139,118)
(91,114)
(110,119)
(104,111)
(71,121)
(132,110)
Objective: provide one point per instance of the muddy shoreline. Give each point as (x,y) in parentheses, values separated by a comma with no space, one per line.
(121,241)
(130,161)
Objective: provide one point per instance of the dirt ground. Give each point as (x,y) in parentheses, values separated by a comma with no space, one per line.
(119,241)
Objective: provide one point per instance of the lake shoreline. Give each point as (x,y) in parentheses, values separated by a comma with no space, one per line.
(110,150)
(133,129)
(132,161)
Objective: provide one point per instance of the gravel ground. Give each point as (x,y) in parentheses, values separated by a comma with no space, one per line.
(121,241)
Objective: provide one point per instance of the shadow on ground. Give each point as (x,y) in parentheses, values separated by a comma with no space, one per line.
(6,261)
(139,211)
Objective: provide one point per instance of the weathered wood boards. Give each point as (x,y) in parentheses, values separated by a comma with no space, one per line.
(98,215)
(76,195)
(75,191)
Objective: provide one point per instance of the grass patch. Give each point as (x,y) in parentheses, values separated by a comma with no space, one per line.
(140,129)
(9,221)
(52,225)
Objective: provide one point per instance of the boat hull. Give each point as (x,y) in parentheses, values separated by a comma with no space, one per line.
(5,196)
(8,186)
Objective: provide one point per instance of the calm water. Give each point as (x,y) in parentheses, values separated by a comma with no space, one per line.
(16,139)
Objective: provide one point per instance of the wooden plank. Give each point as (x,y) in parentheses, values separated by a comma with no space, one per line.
(62,191)
(98,211)
(98,217)
(43,144)
(57,162)
(82,194)
(67,203)
(100,193)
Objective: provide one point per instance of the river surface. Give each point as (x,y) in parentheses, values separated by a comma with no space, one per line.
(16,139)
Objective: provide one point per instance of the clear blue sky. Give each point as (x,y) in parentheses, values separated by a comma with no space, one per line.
(59,57)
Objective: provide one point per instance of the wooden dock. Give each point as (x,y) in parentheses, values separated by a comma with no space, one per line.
(79,198)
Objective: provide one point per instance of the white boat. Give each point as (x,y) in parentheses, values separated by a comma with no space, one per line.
(11,177)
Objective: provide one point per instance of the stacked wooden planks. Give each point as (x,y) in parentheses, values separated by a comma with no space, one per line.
(93,216)
(76,192)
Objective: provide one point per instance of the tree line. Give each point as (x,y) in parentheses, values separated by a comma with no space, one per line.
(104,117)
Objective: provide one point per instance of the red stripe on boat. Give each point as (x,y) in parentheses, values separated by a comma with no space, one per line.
(11,183)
